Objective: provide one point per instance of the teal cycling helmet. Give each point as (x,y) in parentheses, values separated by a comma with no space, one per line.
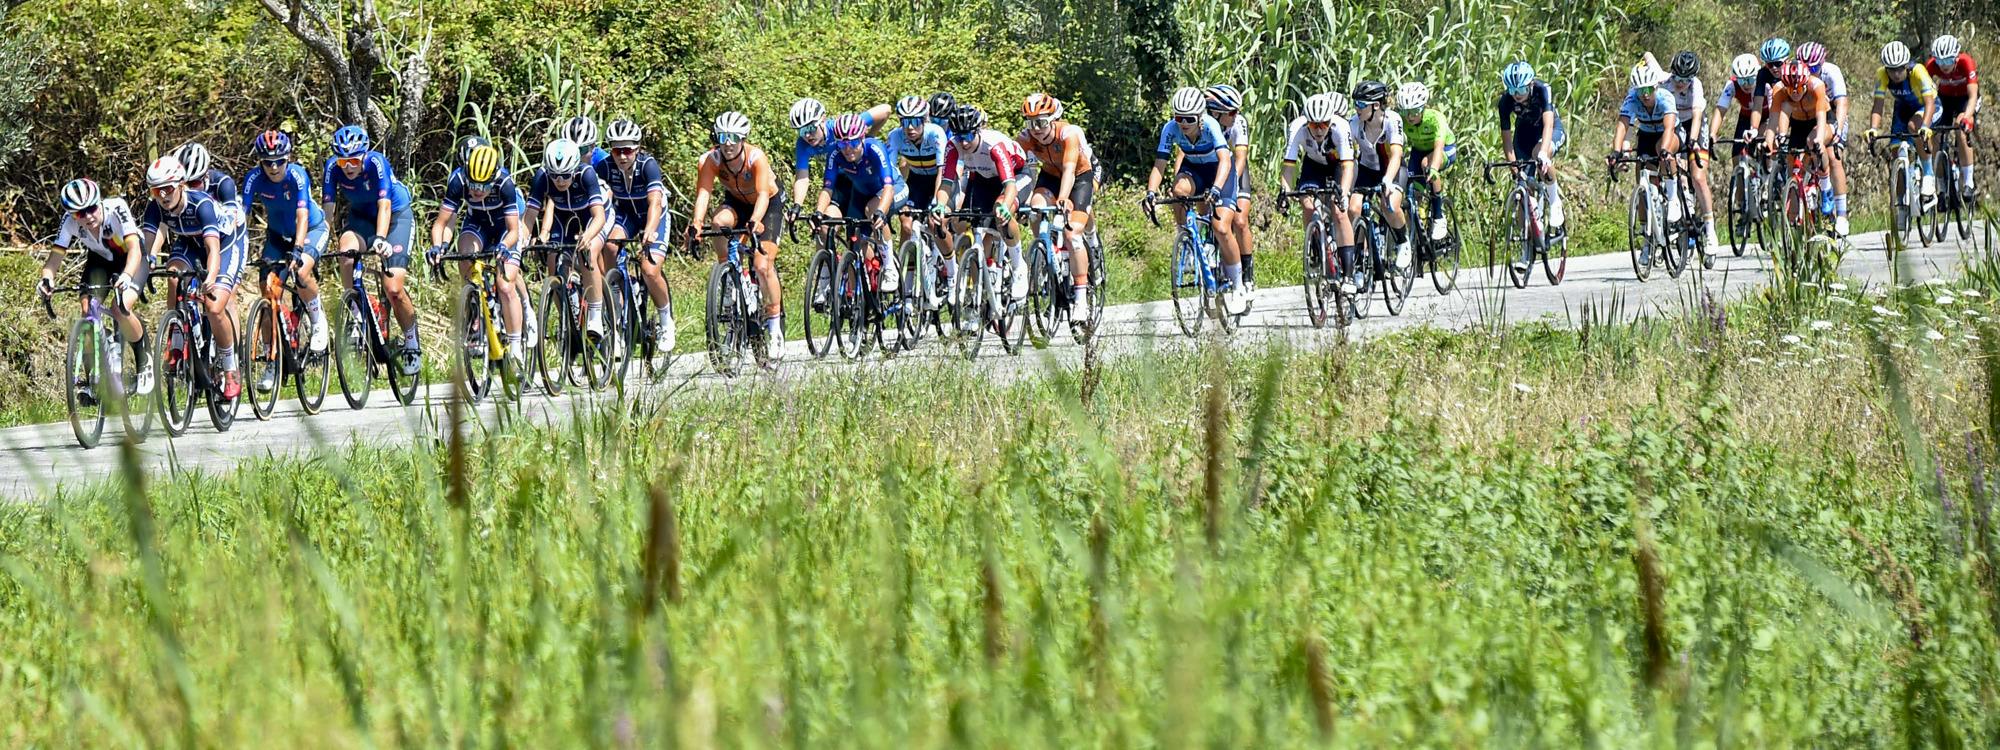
(1517,76)
(1775,50)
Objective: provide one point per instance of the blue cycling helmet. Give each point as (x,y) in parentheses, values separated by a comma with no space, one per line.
(271,144)
(1517,76)
(350,141)
(1775,50)
(1223,97)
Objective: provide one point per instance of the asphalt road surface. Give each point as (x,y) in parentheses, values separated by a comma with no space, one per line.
(38,459)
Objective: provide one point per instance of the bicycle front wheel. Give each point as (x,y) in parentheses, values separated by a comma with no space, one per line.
(353,351)
(1445,253)
(176,365)
(1042,293)
(1187,285)
(266,374)
(222,411)
(620,326)
(820,303)
(1313,266)
(969,299)
(724,330)
(87,388)
(1637,237)
(475,370)
(313,373)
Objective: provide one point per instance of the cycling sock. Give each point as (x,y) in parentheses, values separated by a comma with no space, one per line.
(1840,204)
(1250,268)
(1349,258)
(410,337)
(228,356)
(774,324)
(139,347)
(1079,292)
(1965,176)
(596,310)
(1234,273)
(318,312)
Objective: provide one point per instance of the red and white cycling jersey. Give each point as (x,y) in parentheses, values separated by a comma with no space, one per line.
(996,155)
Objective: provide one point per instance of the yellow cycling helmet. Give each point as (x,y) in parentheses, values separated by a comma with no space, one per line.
(482,165)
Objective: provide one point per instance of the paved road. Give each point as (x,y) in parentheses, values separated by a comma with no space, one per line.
(37,459)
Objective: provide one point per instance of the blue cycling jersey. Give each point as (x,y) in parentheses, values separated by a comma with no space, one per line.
(1647,118)
(221,188)
(199,216)
(629,192)
(375,182)
(598,156)
(803,153)
(870,173)
(282,198)
(1201,149)
(584,191)
(502,201)
(923,155)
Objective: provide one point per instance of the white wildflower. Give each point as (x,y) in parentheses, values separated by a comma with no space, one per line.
(1791,338)
(1837,286)
(1933,335)
(1946,299)
(1822,325)
(1523,388)
(1886,312)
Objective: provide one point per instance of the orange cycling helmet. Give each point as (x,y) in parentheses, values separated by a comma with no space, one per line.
(1041,105)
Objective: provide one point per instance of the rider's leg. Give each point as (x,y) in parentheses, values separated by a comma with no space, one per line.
(587,249)
(765,263)
(1245,248)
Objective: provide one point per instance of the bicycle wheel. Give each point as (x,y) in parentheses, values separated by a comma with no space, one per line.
(88,388)
(1929,225)
(724,330)
(1013,312)
(1445,254)
(1519,249)
(176,365)
(1083,330)
(1952,198)
(846,305)
(404,385)
(548,347)
(136,409)
(1737,214)
(970,296)
(619,327)
(1312,263)
(1366,237)
(475,370)
(1185,285)
(659,353)
(1398,282)
(1636,235)
(1212,290)
(313,373)
(915,288)
(266,358)
(353,353)
(1042,293)
(1555,259)
(222,411)
(820,303)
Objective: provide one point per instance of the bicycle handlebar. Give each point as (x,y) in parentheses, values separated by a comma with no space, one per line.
(1486,173)
(48,303)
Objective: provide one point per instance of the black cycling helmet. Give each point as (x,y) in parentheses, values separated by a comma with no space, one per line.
(942,105)
(1685,64)
(1370,93)
(466,146)
(967,119)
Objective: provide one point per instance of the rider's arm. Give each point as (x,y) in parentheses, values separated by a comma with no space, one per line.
(384,201)
(656,202)
(133,260)
(767,191)
(599,212)
(800,177)
(876,116)
(704,183)
(1670,141)
(1160,154)
(440,227)
(1618,133)
(1072,159)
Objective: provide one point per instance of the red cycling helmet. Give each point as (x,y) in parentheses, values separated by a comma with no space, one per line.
(1793,74)
(849,127)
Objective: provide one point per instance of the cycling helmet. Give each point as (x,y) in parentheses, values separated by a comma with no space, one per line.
(1793,74)
(271,144)
(912,106)
(165,171)
(194,157)
(849,127)
(1517,76)
(1413,95)
(1319,108)
(582,130)
(1685,65)
(1223,97)
(562,157)
(624,132)
(80,194)
(807,113)
(942,104)
(350,141)
(1041,105)
(1188,101)
(967,119)
(731,125)
(1645,76)
(1945,48)
(482,165)
(1774,49)
(1895,55)
(1342,108)
(1744,66)
(1813,54)
(1370,93)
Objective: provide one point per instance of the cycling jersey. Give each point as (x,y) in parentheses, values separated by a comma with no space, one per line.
(282,198)
(1807,105)
(1836,81)
(502,201)
(923,154)
(1915,88)
(1958,81)
(872,170)
(117,225)
(1429,132)
(222,189)
(1069,143)
(1371,149)
(630,193)
(751,176)
(1689,100)
(1744,94)
(803,153)
(1338,143)
(1199,149)
(1527,115)
(199,216)
(1646,117)
(995,156)
(375,182)
(584,191)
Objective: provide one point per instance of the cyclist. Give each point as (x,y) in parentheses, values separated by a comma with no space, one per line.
(1813,54)
(1207,168)
(749,188)
(862,181)
(1957,79)
(1691,133)
(1742,90)
(566,206)
(1319,153)
(203,176)
(1530,129)
(110,239)
(582,131)
(808,118)
(985,162)
(942,105)
(1225,104)
(918,147)
(1915,104)
(201,235)
(294,227)
(1771,55)
(1800,109)
(1378,149)
(379,218)
(1654,118)
(1432,147)
(483,197)
(1066,178)
(639,212)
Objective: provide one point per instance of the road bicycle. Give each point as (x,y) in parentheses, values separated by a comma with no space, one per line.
(100,376)
(479,319)
(568,351)
(734,324)
(278,344)
(628,301)
(1196,285)
(1909,210)
(1377,242)
(363,350)
(1806,209)
(1652,235)
(927,272)
(984,287)
(1956,205)
(1321,262)
(1051,286)
(1522,232)
(1744,214)
(1441,258)
(188,361)
(858,313)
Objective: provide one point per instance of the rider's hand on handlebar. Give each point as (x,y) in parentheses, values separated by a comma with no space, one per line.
(124,283)
(1925,132)
(1284,204)
(938,209)
(1874,134)
(380,247)
(1004,210)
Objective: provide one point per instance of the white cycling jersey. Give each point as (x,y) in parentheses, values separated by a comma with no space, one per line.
(1338,143)
(1836,81)
(118,224)
(1689,101)
(995,156)
(1369,146)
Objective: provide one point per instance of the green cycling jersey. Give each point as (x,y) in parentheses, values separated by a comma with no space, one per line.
(1428,132)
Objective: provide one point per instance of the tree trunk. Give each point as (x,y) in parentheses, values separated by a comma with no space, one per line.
(352,57)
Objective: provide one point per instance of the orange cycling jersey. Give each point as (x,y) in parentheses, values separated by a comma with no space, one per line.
(1805,105)
(1068,144)
(751,176)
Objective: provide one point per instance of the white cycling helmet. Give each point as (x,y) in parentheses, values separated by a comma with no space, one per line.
(1412,95)
(1189,101)
(194,159)
(734,124)
(1895,55)
(623,131)
(1744,66)
(913,106)
(562,157)
(582,131)
(1945,48)
(807,112)
(165,171)
(1319,108)
(1644,75)
(1342,108)
(80,194)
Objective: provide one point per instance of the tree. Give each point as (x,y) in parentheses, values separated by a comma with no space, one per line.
(351,48)
(21,78)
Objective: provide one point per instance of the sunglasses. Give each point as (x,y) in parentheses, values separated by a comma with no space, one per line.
(1187,120)
(564,177)
(965,137)
(165,190)
(808,130)
(348,161)
(848,144)
(1646,90)
(1411,114)
(724,139)
(85,213)
(915,122)
(1320,125)
(1040,123)
(481,188)
(624,150)
(273,163)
